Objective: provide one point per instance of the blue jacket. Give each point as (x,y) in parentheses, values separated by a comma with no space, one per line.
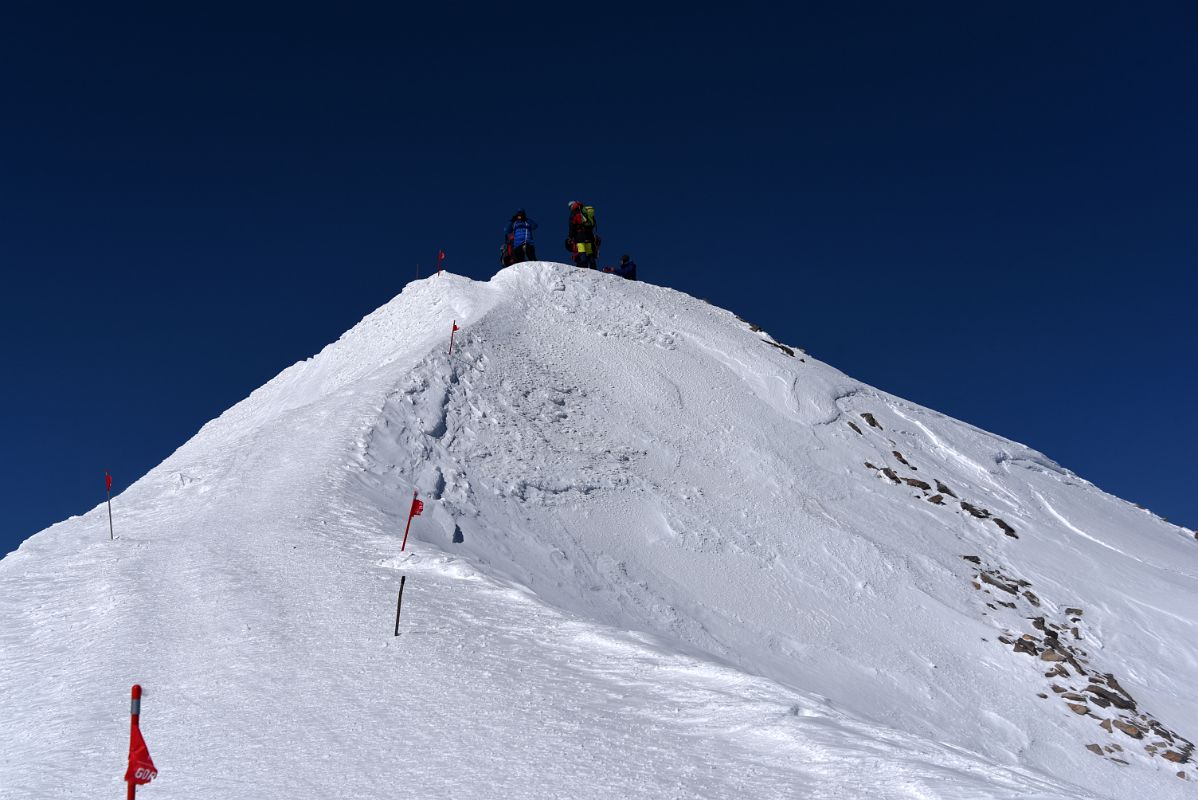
(519,232)
(626,270)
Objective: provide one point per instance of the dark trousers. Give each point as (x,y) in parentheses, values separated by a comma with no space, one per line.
(525,252)
(586,261)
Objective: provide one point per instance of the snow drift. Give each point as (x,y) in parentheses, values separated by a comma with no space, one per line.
(663,555)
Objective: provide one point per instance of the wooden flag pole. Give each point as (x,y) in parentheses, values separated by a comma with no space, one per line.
(108,491)
(134,715)
(408,527)
(141,767)
(399,602)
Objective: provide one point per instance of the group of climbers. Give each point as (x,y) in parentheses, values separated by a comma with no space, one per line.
(582,241)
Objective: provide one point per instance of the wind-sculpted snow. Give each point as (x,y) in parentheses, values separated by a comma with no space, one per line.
(662,555)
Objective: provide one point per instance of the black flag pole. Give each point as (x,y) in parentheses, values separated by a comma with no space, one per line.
(399,602)
(108,491)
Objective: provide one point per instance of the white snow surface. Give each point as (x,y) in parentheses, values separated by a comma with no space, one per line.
(674,577)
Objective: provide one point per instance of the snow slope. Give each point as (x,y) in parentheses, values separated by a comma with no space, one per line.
(662,556)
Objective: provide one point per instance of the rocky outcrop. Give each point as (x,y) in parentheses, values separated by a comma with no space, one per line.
(1054,639)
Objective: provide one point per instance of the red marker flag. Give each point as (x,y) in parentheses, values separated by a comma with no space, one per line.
(440,260)
(141,767)
(455,327)
(417,507)
(108,499)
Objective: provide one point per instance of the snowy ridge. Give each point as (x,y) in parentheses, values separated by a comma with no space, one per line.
(663,556)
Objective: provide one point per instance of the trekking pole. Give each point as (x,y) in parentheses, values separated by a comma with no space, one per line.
(108,491)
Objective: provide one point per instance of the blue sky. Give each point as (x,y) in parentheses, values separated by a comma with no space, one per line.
(991,212)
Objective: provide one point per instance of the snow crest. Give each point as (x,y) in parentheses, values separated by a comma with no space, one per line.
(662,555)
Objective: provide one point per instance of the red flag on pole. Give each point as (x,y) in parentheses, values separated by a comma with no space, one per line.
(417,507)
(141,767)
(440,260)
(108,499)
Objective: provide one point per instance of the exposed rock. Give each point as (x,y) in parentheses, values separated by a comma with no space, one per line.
(871,466)
(789,351)
(1160,730)
(1058,671)
(869,418)
(1106,726)
(980,513)
(1073,696)
(1073,612)
(1128,728)
(973,559)
(1174,756)
(853,425)
(1031,598)
(1101,702)
(918,484)
(1008,605)
(938,499)
(1181,773)
(902,460)
(1041,695)
(889,473)
(1078,708)
(1117,700)
(1057,689)
(1053,655)
(990,578)
(940,487)
(1119,761)
(1114,684)
(1007,529)
(1076,634)
(1024,646)
(1074,662)
(1095,749)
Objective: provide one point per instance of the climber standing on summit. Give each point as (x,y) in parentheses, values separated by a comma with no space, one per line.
(517,240)
(581,240)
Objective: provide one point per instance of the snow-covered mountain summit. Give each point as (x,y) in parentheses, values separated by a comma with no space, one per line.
(663,555)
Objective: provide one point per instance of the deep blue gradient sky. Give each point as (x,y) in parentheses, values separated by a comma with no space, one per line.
(990,212)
